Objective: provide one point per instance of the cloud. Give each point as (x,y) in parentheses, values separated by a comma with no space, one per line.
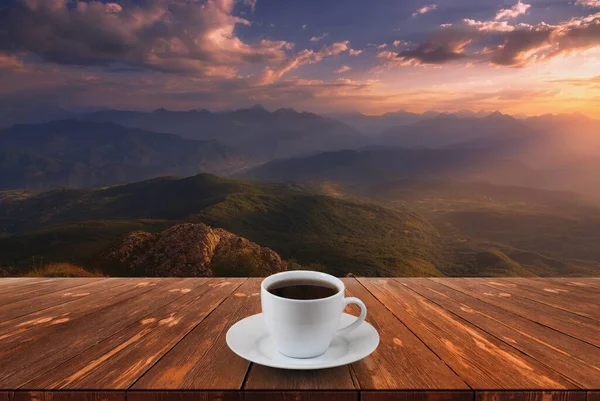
(489,26)
(342,69)
(272,74)
(513,12)
(382,46)
(400,43)
(73,87)
(522,46)
(169,36)
(11,62)
(428,53)
(588,3)
(445,45)
(502,44)
(424,10)
(354,52)
(304,26)
(593,82)
(318,38)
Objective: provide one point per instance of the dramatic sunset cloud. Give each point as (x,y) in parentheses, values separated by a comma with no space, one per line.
(589,3)
(424,10)
(342,69)
(214,54)
(513,12)
(518,45)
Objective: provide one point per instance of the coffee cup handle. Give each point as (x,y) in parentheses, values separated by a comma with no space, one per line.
(359,320)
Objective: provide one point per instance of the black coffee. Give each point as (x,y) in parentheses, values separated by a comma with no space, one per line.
(303,289)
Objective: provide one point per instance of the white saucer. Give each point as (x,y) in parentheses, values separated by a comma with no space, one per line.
(250,339)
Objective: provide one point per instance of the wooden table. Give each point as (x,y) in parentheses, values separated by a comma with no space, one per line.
(164,338)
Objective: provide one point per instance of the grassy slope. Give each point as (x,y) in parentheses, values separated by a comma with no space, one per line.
(62,270)
(331,234)
(491,230)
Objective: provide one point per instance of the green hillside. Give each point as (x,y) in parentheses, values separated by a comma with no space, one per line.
(317,231)
(491,230)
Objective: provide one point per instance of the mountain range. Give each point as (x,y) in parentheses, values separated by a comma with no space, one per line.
(111,147)
(72,153)
(467,194)
(259,133)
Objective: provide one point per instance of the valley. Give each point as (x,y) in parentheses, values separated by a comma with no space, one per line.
(441,195)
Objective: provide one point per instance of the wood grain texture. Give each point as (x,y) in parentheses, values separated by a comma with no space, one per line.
(530,396)
(301,396)
(577,302)
(21,328)
(184,396)
(569,323)
(401,360)
(26,306)
(11,284)
(580,286)
(573,358)
(438,337)
(69,396)
(548,288)
(480,359)
(416,396)
(585,284)
(202,359)
(118,361)
(19,281)
(67,338)
(31,292)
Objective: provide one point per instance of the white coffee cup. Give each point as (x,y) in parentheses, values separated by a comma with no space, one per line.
(305,328)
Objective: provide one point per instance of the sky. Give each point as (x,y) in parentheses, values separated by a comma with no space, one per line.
(519,57)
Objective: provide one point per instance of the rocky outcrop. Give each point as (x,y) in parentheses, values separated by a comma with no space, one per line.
(193,250)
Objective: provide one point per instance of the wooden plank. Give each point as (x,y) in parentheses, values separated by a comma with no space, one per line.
(401,360)
(549,288)
(119,360)
(69,396)
(184,396)
(573,358)
(480,359)
(48,348)
(26,306)
(14,281)
(202,359)
(577,326)
(18,283)
(30,292)
(530,396)
(416,396)
(6,395)
(593,396)
(301,396)
(586,284)
(20,328)
(579,304)
(581,285)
